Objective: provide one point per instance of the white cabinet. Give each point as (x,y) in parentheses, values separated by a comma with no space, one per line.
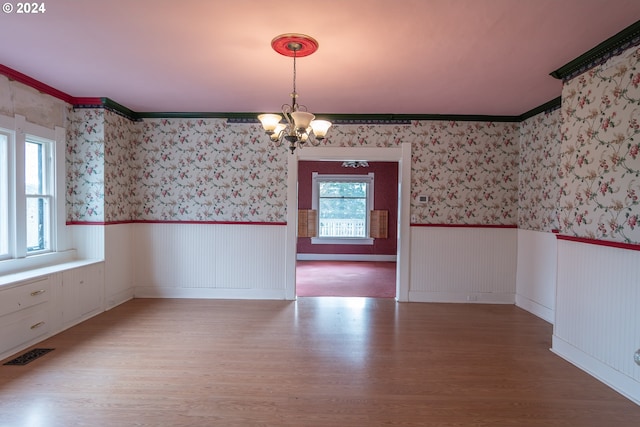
(82,293)
(24,313)
(35,305)
(24,295)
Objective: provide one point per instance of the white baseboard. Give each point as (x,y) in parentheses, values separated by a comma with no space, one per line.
(533,307)
(208,293)
(345,257)
(621,383)
(118,298)
(462,297)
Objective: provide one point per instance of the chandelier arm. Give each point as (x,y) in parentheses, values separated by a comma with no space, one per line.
(313,140)
(286,112)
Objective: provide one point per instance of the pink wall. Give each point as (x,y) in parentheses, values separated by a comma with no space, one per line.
(385,197)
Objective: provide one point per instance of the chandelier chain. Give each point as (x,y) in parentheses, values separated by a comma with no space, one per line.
(294,95)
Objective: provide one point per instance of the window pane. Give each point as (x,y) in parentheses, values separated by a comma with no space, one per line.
(37,224)
(33,168)
(343,189)
(4,195)
(342,209)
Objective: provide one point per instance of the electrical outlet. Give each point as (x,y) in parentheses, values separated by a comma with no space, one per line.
(636,357)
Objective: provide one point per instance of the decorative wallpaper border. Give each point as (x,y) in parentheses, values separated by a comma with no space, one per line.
(375,119)
(107,104)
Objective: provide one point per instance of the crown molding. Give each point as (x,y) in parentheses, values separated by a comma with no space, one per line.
(107,104)
(388,119)
(547,107)
(36,84)
(334,118)
(613,46)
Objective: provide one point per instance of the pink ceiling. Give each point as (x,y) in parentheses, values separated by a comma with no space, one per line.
(395,56)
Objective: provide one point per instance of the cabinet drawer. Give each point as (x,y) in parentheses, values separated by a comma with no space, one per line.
(23,329)
(24,296)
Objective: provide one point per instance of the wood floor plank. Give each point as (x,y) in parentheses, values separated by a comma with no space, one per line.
(313,362)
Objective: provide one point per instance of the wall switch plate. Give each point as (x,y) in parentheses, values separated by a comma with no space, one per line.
(423,199)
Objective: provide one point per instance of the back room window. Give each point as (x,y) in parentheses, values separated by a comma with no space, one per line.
(343,203)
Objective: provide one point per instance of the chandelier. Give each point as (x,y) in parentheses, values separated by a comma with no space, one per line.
(355,164)
(300,126)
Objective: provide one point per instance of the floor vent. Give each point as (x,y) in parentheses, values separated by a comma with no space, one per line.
(29,356)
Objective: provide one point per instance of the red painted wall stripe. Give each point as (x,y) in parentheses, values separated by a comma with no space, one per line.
(629,246)
(174,222)
(466,225)
(270,223)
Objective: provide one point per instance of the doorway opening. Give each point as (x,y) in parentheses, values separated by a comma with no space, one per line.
(344,249)
(402,156)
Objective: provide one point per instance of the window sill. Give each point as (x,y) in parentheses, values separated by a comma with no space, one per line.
(341,241)
(20,265)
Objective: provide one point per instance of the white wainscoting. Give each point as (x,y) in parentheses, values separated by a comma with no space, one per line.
(597,322)
(88,240)
(463,264)
(209,261)
(536,273)
(119,264)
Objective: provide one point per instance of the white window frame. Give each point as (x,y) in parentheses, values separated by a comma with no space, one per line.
(47,193)
(315,195)
(19,131)
(6,172)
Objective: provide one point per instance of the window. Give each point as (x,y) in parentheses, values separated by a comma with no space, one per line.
(38,192)
(4,194)
(343,203)
(31,193)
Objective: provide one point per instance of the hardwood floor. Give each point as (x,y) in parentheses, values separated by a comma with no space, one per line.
(314,362)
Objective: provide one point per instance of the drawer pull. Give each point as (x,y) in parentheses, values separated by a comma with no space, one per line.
(41,291)
(37,325)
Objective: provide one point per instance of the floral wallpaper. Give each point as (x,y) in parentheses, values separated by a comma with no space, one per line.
(85,165)
(539,188)
(469,171)
(120,135)
(210,170)
(600,154)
